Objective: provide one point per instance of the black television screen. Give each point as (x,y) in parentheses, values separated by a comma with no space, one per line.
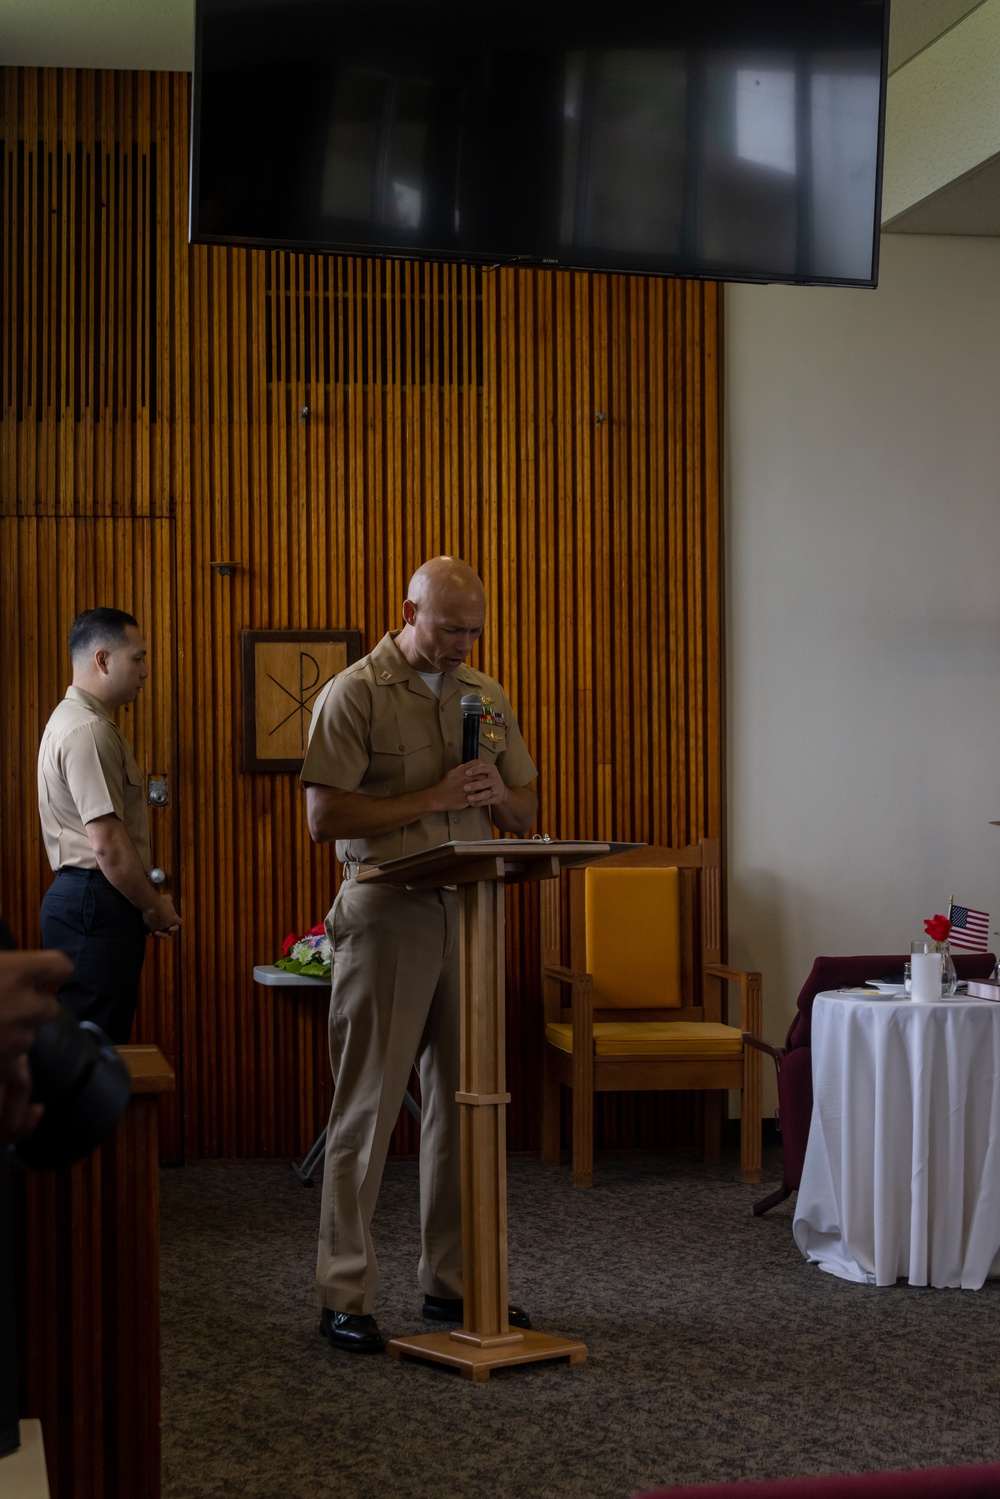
(733,139)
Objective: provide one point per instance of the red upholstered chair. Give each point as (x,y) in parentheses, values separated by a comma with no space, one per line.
(794,1060)
(978,1481)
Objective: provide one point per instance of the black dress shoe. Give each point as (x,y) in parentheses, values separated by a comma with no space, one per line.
(452,1309)
(350,1331)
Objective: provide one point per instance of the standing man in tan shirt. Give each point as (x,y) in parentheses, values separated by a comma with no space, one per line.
(91,801)
(384,776)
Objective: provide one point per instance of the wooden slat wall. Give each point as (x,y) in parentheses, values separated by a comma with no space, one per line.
(327,423)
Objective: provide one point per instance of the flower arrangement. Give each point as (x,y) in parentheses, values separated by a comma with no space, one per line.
(309,954)
(938,929)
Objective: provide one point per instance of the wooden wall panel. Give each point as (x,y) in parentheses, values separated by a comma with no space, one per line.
(326,423)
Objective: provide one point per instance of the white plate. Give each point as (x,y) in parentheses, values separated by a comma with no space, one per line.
(883,986)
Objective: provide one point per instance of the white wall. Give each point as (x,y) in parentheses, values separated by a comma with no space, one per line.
(863,558)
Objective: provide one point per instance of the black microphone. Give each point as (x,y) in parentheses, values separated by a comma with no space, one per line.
(472,712)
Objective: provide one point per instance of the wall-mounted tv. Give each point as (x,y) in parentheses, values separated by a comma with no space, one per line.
(733,139)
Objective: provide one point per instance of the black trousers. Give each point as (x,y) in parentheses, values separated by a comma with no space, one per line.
(91,922)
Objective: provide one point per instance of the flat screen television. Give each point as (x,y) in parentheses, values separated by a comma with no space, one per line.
(734,139)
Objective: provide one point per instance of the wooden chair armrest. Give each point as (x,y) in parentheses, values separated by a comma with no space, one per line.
(581,1000)
(751,994)
(561,975)
(772,1051)
(723,971)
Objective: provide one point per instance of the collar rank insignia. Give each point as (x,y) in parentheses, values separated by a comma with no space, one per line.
(386,676)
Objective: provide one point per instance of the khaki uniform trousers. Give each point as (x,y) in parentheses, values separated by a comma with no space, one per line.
(394,1002)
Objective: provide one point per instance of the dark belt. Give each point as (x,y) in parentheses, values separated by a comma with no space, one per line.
(75,872)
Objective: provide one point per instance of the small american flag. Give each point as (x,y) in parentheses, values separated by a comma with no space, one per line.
(969,929)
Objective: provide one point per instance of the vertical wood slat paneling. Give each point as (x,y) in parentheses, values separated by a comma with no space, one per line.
(326,423)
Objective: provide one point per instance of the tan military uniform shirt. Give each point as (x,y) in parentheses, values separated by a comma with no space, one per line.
(86,769)
(378,728)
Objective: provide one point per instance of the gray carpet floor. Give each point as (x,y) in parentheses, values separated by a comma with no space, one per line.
(714,1350)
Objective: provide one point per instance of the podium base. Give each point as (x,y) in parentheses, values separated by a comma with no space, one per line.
(476,1362)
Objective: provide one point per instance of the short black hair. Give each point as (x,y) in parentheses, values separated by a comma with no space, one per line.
(96,627)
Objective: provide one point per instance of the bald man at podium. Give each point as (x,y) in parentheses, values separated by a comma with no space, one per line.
(384,776)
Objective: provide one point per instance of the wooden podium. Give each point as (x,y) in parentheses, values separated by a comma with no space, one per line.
(481,870)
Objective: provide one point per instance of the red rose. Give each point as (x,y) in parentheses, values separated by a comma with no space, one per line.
(288,944)
(938,928)
(318,930)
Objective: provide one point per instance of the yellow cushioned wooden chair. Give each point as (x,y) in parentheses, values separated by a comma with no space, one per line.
(642,1002)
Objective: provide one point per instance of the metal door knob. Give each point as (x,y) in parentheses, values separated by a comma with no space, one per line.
(158,876)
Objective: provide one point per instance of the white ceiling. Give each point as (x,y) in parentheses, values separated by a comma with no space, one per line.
(914,24)
(159,35)
(970,204)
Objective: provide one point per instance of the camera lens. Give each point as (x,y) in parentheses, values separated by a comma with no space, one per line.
(83,1083)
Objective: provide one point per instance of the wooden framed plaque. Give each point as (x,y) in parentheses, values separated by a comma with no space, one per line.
(284,671)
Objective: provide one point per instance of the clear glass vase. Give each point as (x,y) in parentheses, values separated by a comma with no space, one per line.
(949,978)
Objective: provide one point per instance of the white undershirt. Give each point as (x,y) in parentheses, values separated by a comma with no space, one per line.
(434,680)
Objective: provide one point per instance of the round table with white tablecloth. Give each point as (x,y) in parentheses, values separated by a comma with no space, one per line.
(902,1169)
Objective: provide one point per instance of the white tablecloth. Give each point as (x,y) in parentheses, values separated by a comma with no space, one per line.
(274,977)
(902,1170)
